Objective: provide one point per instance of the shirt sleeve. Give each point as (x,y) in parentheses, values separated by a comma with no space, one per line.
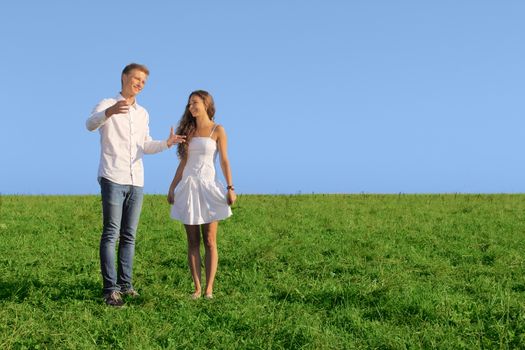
(153,146)
(98,115)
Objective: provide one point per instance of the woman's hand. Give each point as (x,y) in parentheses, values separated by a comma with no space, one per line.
(171,197)
(232,197)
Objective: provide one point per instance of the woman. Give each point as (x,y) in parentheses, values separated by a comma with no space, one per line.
(199,199)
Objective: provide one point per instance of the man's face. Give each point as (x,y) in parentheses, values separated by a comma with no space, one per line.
(133,82)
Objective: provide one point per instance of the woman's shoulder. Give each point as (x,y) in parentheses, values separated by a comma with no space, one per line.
(218,132)
(219,128)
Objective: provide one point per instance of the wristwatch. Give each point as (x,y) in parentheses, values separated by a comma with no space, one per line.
(230,188)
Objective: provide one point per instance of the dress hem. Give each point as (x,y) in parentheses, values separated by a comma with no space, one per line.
(201,222)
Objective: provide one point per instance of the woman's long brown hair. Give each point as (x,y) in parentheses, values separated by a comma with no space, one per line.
(187,124)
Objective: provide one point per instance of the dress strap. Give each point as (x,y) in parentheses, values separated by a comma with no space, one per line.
(212,130)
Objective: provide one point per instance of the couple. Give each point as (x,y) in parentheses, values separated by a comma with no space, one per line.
(197,199)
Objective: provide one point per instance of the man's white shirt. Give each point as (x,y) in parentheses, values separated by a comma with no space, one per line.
(124,139)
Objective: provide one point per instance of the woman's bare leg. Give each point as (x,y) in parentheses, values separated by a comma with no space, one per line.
(194,256)
(211,258)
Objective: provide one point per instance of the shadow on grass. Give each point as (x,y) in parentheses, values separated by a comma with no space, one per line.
(320,299)
(27,289)
(19,290)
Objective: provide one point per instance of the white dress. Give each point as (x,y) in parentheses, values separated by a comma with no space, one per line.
(199,197)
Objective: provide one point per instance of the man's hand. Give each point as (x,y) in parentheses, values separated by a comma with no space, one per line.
(121,106)
(173,139)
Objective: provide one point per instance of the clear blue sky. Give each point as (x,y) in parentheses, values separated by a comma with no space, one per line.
(316,96)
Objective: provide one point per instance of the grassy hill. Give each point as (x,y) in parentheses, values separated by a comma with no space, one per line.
(295,272)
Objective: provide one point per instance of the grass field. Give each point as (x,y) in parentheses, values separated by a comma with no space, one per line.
(295,272)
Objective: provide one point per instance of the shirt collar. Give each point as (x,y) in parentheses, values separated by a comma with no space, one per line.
(120,98)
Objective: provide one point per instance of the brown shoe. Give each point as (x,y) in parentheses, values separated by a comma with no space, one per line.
(113,299)
(132,293)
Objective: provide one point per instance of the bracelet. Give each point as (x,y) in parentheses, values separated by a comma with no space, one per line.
(230,188)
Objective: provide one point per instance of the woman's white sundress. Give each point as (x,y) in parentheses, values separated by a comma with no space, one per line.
(199,197)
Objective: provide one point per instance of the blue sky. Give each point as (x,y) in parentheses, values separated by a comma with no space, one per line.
(316,96)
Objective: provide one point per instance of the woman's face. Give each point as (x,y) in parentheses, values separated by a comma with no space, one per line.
(196,106)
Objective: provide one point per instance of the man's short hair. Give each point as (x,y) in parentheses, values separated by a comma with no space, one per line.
(137,66)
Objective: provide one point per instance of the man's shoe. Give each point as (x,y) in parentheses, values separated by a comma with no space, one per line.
(132,293)
(113,299)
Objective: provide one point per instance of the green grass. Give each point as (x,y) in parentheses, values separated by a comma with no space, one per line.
(295,272)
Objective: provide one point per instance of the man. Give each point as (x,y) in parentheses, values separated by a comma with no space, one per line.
(124,139)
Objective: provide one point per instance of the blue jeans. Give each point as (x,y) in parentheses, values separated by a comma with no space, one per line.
(121,206)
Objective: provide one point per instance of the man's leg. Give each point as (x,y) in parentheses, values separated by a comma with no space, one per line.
(112,202)
(129,224)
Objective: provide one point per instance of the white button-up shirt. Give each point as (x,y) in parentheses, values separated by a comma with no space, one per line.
(124,138)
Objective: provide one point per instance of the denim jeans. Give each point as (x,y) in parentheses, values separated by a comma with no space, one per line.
(121,206)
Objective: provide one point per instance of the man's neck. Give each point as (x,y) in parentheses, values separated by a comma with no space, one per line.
(130,98)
